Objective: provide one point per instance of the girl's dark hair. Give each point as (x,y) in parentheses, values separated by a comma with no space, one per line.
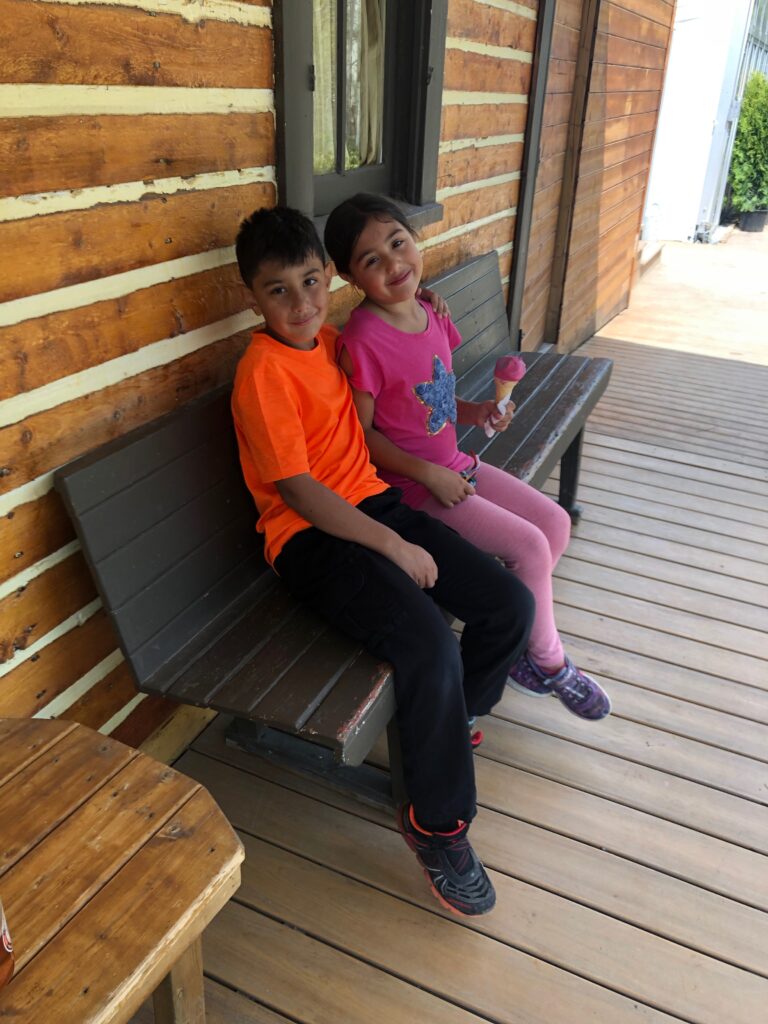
(347,222)
(275,233)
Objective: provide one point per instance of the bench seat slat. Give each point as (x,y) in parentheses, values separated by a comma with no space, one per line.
(235,643)
(358,707)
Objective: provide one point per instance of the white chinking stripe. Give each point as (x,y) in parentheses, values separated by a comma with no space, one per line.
(25,577)
(488,50)
(27,492)
(80,616)
(190,10)
(509,5)
(453,97)
(471,186)
(68,200)
(83,685)
(122,714)
(96,378)
(76,100)
(453,145)
(113,287)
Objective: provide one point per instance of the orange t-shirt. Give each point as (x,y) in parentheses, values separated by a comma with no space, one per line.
(294,414)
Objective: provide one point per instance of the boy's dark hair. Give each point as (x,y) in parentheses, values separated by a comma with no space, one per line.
(275,233)
(347,221)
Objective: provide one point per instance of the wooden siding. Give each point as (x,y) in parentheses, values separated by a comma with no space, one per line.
(624,98)
(134,135)
(552,149)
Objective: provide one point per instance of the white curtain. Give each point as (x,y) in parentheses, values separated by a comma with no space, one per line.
(324,15)
(365,82)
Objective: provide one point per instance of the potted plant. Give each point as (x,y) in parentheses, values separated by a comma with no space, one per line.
(748,177)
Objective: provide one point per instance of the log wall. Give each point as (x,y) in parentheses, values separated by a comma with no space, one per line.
(134,136)
(624,97)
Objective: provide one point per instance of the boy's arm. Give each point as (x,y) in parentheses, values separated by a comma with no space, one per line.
(326,510)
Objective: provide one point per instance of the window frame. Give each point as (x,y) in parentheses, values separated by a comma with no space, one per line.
(415,140)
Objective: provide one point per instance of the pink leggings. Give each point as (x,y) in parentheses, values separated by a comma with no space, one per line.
(527,531)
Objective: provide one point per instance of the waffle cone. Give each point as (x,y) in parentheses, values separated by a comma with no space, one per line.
(504,388)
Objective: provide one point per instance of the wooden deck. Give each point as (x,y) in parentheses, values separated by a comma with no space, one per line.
(629,856)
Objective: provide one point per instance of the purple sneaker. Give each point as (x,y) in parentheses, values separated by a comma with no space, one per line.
(580,693)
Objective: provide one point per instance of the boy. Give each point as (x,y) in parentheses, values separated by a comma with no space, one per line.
(343,543)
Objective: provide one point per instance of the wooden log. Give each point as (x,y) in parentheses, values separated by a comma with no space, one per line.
(144,720)
(48,599)
(38,680)
(103,700)
(37,444)
(467,207)
(42,154)
(44,253)
(482,120)
(492,25)
(47,348)
(477,72)
(108,45)
(31,531)
(474,164)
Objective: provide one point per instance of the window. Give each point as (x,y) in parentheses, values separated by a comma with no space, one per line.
(358,97)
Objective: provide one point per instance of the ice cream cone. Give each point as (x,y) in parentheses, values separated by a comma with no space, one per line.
(504,388)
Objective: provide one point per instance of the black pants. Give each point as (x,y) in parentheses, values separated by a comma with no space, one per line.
(437,684)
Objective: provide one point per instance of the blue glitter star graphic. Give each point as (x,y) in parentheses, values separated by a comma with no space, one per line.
(439,396)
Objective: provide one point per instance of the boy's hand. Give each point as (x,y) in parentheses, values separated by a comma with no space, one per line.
(417,563)
(450,488)
(487,412)
(437,302)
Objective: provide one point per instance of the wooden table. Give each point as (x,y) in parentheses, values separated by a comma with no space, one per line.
(111,866)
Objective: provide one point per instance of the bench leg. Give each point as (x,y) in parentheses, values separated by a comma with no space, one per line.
(570,465)
(179,997)
(399,794)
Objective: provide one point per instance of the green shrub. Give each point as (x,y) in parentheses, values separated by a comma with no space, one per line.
(749,166)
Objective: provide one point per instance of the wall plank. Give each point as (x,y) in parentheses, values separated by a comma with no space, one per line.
(108,45)
(32,531)
(468,19)
(482,120)
(38,444)
(39,351)
(45,253)
(33,610)
(44,154)
(38,680)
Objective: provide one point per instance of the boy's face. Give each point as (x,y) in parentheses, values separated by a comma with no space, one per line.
(294,299)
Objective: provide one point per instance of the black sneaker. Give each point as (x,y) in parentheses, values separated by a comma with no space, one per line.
(453,871)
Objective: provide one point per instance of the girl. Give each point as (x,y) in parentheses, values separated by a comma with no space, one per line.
(397,355)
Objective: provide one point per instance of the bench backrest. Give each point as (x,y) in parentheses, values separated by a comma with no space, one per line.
(167,524)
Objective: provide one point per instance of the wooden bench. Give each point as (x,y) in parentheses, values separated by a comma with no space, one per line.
(167,527)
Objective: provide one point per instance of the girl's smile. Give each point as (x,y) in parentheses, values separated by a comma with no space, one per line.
(385,263)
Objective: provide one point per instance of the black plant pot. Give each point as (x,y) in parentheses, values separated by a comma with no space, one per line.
(754,221)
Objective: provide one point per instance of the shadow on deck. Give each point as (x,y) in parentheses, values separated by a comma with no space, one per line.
(629,856)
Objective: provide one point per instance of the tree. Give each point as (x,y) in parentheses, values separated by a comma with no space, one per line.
(749,165)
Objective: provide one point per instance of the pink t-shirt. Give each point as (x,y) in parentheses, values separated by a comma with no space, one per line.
(413,385)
